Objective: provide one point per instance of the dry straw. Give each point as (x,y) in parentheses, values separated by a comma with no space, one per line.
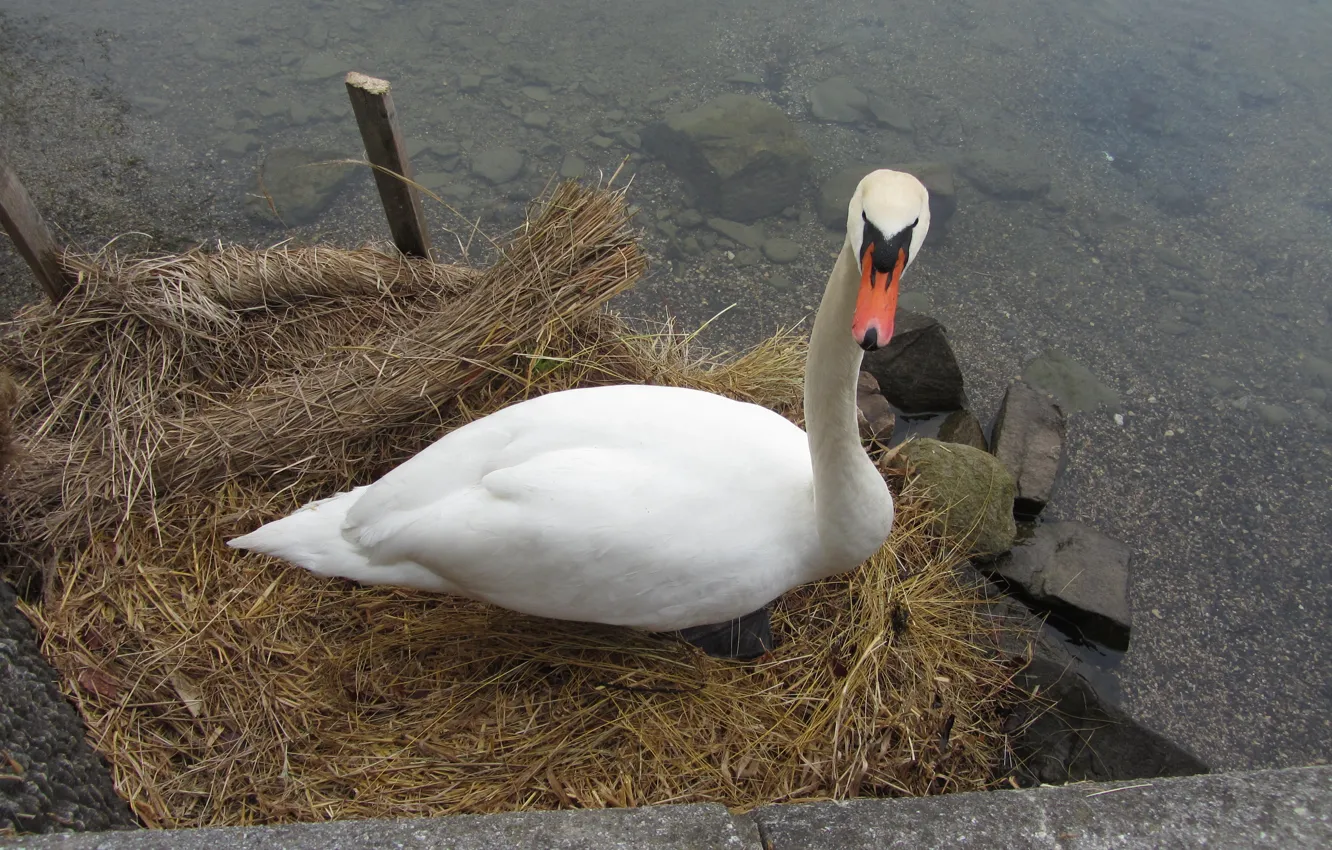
(171,403)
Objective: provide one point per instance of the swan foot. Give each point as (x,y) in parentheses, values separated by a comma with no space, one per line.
(742,639)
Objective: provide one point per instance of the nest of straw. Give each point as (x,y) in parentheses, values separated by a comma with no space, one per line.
(171,403)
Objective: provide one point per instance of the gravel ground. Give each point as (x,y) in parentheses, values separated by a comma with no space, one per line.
(1180,252)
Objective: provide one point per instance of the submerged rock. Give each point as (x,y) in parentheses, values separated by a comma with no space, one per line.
(873,412)
(1069,565)
(1029,440)
(1007,175)
(741,155)
(838,100)
(498,166)
(302,184)
(917,370)
(1077,389)
(972,490)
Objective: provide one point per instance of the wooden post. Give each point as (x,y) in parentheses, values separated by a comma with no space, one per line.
(373,106)
(30,235)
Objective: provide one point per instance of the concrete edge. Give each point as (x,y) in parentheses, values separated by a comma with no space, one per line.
(1291,807)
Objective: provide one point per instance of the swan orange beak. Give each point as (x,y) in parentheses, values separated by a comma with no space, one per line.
(876,305)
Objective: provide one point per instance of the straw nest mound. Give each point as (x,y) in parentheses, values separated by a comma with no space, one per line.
(171,403)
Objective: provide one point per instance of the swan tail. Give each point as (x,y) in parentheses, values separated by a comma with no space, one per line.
(312,537)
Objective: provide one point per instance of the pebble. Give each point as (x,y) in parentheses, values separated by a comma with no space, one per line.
(1273,414)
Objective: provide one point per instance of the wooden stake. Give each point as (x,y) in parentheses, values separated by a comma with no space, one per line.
(373,106)
(30,235)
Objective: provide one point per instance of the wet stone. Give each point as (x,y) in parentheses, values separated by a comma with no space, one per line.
(1028,439)
(962,427)
(1069,565)
(1007,175)
(741,155)
(889,114)
(1073,384)
(321,66)
(838,100)
(781,250)
(302,184)
(537,120)
(498,165)
(874,414)
(917,371)
(469,83)
(237,144)
(1273,414)
(573,168)
(749,235)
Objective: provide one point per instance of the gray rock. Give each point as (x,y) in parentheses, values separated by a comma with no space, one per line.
(748,257)
(962,427)
(917,370)
(745,79)
(751,236)
(237,144)
(781,250)
(838,100)
(874,414)
(498,165)
(50,779)
(1073,384)
(537,120)
(302,184)
(321,66)
(972,490)
(741,155)
(1008,175)
(573,168)
(1029,439)
(1069,565)
(469,83)
(689,218)
(1317,370)
(540,94)
(1274,414)
(889,114)
(835,192)
(1260,809)
(702,826)
(154,106)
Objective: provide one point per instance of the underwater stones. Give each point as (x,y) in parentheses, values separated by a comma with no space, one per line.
(1317,371)
(874,414)
(890,115)
(321,66)
(1073,384)
(740,155)
(749,235)
(780,250)
(498,165)
(972,490)
(1007,175)
(917,371)
(237,144)
(573,167)
(1028,439)
(469,83)
(837,100)
(537,120)
(1072,565)
(301,182)
(835,193)
(962,427)
(939,181)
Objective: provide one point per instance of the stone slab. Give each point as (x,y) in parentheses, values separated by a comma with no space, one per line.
(695,827)
(1280,808)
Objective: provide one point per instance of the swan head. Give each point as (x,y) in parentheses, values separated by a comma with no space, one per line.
(886,223)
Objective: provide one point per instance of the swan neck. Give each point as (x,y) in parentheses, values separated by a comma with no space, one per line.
(851,501)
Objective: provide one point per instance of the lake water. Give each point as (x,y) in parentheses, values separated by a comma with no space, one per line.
(1141,185)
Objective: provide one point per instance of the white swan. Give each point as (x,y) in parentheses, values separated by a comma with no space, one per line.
(653,507)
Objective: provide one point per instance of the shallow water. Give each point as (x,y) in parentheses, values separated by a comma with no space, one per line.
(1180,250)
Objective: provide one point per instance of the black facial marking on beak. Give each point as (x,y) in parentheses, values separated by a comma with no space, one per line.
(885,250)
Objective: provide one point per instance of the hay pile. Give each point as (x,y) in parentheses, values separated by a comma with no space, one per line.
(172,403)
